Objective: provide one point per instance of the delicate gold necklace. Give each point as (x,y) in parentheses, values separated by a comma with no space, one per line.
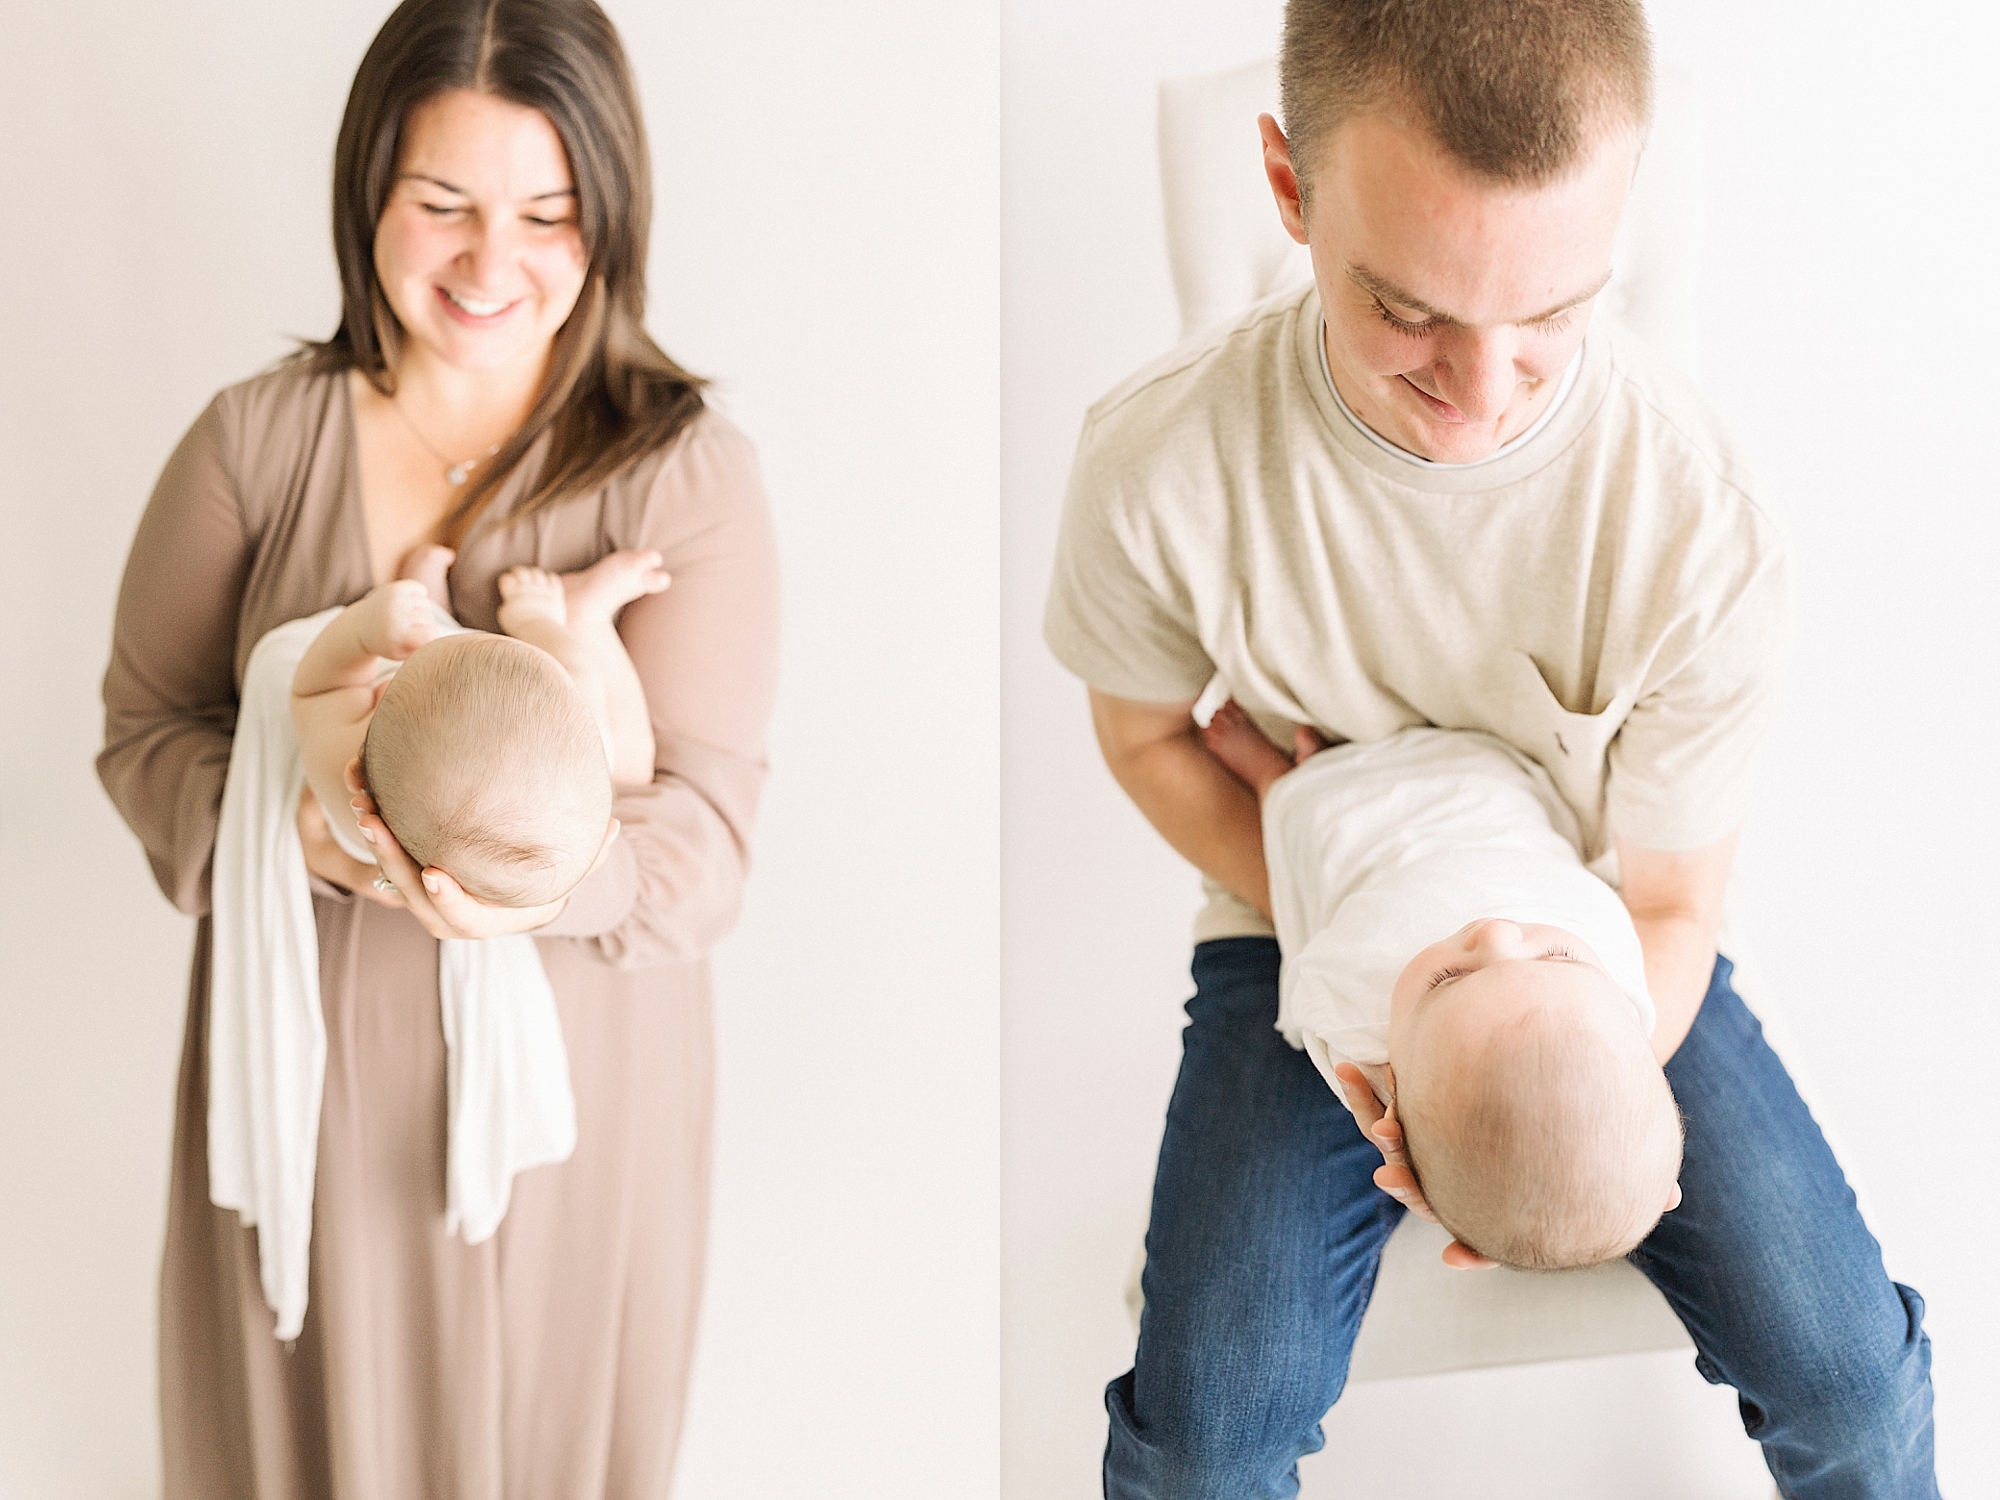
(455,474)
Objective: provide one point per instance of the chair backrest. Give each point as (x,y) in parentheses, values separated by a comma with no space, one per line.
(1227,248)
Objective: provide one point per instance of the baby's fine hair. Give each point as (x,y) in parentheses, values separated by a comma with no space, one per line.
(1561,1149)
(484,761)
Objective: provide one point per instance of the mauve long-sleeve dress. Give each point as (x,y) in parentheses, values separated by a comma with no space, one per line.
(551,1360)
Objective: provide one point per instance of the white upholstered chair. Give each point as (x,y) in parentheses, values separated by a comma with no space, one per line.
(1228,250)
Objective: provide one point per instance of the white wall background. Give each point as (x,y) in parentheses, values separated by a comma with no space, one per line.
(827,245)
(1848,323)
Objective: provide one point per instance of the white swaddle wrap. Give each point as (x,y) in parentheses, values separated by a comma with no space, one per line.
(1378,850)
(507,1075)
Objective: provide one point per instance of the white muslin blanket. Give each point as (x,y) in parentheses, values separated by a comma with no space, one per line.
(507,1076)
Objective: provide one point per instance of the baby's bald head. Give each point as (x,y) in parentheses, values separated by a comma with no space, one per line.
(1537,1121)
(485,762)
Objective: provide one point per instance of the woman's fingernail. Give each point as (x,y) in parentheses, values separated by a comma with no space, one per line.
(431,884)
(368,833)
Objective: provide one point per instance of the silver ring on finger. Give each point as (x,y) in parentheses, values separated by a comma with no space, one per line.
(385,885)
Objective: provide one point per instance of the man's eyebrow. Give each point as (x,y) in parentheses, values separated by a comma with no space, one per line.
(1388,291)
(452,187)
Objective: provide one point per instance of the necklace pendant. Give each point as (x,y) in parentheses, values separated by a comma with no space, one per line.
(455,475)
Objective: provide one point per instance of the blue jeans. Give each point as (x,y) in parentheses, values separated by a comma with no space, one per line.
(1267,1232)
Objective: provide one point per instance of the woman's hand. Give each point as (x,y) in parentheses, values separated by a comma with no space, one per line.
(1394,1176)
(437,901)
(333,864)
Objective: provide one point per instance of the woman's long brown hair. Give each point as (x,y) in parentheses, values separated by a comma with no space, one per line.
(612,394)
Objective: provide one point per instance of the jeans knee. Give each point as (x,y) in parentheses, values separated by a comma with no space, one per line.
(1864,1401)
(1198,1456)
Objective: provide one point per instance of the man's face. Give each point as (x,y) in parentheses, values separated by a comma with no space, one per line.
(1453,302)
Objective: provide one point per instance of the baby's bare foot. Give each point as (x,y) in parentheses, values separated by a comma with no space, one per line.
(429,566)
(1233,738)
(597,593)
(394,619)
(1308,742)
(528,595)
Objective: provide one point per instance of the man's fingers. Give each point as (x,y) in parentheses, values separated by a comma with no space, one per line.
(1360,1096)
(1462,1257)
(1388,1138)
(1400,1183)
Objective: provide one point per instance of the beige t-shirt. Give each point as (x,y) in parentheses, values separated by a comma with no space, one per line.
(1610,599)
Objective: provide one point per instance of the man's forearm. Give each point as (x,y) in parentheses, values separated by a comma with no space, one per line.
(1198,806)
(1675,898)
(1680,957)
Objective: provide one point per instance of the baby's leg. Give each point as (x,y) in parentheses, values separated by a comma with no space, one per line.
(1233,738)
(572,618)
(429,566)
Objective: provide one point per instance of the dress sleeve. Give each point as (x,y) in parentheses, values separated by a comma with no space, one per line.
(170,691)
(706,651)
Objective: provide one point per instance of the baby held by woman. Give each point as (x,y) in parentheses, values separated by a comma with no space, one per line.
(1441,934)
(492,758)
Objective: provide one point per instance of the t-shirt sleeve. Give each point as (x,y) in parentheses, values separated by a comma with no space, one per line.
(1120,615)
(1682,763)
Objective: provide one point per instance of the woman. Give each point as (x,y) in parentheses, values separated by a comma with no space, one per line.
(491,388)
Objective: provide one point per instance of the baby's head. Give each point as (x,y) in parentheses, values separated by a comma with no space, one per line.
(485,762)
(1536,1119)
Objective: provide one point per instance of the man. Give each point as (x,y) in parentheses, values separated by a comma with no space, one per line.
(1416,492)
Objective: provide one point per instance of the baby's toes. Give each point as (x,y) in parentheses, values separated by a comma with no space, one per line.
(635,565)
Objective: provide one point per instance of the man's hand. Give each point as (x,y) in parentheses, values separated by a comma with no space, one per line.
(1155,752)
(1675,898)
(1394,1177)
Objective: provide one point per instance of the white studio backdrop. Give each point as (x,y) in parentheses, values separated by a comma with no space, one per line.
(826,244)
(1848,319)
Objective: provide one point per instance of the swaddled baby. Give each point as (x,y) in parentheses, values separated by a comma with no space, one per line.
(1441,932)
(491,757)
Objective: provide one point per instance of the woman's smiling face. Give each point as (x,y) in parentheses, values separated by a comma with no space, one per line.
(478,249)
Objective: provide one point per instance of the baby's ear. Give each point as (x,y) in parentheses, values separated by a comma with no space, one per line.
(1673,1199)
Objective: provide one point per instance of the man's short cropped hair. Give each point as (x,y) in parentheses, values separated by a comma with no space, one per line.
(1513,89)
